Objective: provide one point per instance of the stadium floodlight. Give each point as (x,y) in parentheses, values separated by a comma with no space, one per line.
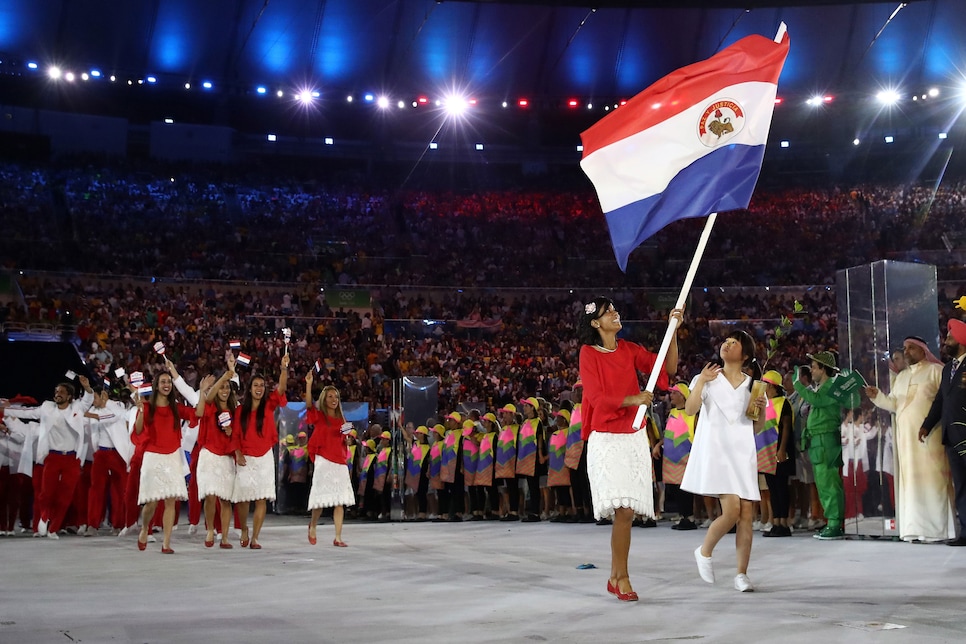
(207,85)
(856,141)
(32,65)
(54,72)
(152,79)
(933,92)
(814,101)
(95,73)
(369,98)
(455,105)
(329,141)
(69,77)
(272,138)
(304,96)
(784,144)
(85,76)
(479,147)
(348,99)
(261,89)
(942,136)
(434,146)
(186,85)
(888,97)
(889,138)
(383,102)
(401,104)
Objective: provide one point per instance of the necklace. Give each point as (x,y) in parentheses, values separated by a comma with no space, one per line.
(603,349)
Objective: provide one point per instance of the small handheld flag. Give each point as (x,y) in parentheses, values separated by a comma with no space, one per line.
(70,375)
(224,419)
(137,378)
(318,366)
(244,359)
(346,428)
(119,372)
(107,383)
(234,345)
(145,390)
(159,348)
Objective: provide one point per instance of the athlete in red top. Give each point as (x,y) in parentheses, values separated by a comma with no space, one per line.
(216,458)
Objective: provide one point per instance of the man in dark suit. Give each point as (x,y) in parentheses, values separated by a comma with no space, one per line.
(949,408)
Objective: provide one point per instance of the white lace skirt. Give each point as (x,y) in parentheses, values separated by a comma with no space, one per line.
(162,477)
(216,475)
(255,480)
(619,469)
(331,485)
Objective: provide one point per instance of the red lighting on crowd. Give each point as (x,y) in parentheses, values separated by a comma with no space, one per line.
(523,102)
(778,100)
(624,102)
(572,102)
(422,100)
(471,101)
(828,99)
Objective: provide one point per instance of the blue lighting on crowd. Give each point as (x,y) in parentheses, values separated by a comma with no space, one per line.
(261,89)
(207,85)
(32,65)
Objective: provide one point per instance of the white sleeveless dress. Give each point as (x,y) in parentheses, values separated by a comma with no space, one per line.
(724,458)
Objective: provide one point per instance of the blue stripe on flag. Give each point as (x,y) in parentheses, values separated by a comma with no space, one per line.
(720,181)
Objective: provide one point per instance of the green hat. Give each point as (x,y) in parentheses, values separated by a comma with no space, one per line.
(826,358)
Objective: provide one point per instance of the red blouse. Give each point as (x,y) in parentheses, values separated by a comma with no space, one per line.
(211,436)
(610,377)
(249,442)
(327,440)
(163,433)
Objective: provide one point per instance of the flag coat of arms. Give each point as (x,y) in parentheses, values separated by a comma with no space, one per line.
(689,145)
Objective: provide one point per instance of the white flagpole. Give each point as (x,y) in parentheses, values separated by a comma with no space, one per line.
(672,322)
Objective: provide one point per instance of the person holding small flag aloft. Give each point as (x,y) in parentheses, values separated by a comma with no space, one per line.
(216,456)
(331,485)
(255,434)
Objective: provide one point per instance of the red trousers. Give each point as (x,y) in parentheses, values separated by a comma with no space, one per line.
(9,498)
(194,504)
(37,482)
(131,508)
(61,474)
(108,479)
(77,513)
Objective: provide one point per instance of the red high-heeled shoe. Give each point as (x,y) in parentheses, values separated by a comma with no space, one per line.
(313,539)
(142,545)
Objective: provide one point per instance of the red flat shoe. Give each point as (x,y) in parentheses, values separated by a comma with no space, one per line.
(209,543)
(339,544)
(626,597)
(244,543)
(225,546)
(142,545)
(255,546)
(312,539)
(611,588)
(167,551)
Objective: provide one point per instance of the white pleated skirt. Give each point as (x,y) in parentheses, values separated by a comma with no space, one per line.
(162,477)
(331,485)
(619,469)
(255,480)
(216,475)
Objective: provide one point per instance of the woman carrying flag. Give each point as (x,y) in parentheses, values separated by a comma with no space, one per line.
(331,486)
(618,456)
(255,434)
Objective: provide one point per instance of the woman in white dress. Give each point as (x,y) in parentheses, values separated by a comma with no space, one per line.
(723,461)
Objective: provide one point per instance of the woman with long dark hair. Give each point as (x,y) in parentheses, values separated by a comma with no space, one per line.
(724,457)
(255,434)
(618,456)
(331,485)
(163,468)
(216,458)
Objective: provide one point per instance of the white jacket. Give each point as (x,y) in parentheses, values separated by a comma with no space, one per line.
(112,420)
(45,414)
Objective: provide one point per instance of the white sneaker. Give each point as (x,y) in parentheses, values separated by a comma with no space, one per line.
(756,526)
(151,539)
(42,528)
(123,532)
(765,527)
(192,529)
(707,523)
(705,566)
(743,584)
(53,535)
(89,532)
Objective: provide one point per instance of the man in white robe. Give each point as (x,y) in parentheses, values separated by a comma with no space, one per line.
(924,485)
